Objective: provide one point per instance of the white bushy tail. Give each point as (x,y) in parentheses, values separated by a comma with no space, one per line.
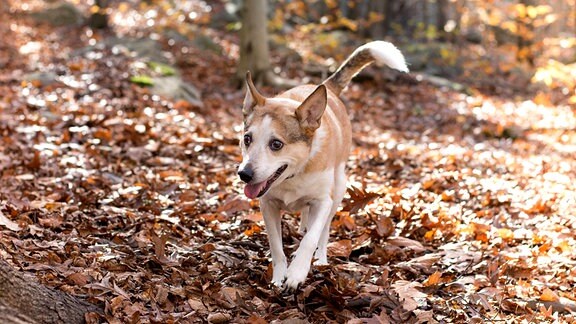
(383,53)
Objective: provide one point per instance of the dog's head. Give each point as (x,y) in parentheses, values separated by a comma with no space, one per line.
(277,138)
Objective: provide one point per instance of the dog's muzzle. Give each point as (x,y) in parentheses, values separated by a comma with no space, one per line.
(246,174)
(254,190)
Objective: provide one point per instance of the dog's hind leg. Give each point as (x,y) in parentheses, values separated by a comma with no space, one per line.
(321,255)
(272,219)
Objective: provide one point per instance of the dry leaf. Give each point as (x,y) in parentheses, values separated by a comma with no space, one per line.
(341,248)
(549,295)
(408,293)
(433,279)
(4,221)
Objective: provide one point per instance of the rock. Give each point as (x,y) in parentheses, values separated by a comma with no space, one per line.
(326,44)
(45,78)
(60,14)
(473,35)
(198,41)
(417,61)
(139,47)
(228,15)
(145,48)
(177,89)
(169,84)
(98,21)
(278,45)
(206,43)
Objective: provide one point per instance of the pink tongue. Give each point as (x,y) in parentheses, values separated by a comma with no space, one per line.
(252,190)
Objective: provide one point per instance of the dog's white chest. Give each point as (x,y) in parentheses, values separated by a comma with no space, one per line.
(295,193)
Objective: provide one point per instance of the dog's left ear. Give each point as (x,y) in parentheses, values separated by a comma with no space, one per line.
(253,97)
(311,110)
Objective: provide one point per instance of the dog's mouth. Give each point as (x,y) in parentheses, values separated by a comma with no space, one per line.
(255,190)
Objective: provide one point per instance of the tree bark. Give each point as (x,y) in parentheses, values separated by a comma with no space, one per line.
(254,49)
(23,300)
(525,36)
(99,20)
(378,30)
(442,18)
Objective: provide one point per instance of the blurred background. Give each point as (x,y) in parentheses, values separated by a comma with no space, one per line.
(119,127)
(524,47)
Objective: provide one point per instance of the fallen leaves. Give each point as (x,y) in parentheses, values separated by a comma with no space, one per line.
(341,248)
(409,294)
(460,208)
(359,198)
(6,222)
(433,279)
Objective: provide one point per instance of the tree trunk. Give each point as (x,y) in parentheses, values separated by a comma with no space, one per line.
(442,18)
(23,300)
(377,30)
(525,36)
(388,14)
(99,19)
(254,50)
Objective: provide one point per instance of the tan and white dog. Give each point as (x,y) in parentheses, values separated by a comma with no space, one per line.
(294,149)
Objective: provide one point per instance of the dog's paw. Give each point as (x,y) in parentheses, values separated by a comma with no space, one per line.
(321,261)
(278,282)
(295,276)
(279,275)
(292,282)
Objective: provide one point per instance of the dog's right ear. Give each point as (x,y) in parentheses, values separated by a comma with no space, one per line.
(253,97)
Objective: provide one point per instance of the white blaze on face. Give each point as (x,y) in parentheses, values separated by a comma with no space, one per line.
(258,155)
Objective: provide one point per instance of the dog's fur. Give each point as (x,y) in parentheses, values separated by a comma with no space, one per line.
(294,150)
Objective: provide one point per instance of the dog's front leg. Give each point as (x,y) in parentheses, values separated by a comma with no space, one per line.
(303,220)
(300,266)
(272,219)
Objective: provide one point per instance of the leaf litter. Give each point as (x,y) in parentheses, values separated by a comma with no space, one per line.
(132,201)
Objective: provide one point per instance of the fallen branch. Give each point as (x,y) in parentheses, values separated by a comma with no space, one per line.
(562,305)
(23,300)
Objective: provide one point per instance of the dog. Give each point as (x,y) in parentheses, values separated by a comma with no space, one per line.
(294,151)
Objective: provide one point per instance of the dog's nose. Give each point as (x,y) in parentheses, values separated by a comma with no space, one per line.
(246,174)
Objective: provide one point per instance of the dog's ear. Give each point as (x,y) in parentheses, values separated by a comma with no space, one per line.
(253,97)
(311,110)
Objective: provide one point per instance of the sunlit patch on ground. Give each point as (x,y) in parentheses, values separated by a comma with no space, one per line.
(461,205)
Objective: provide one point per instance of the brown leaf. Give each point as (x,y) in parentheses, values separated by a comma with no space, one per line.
(234,205)
(4,221)
(408,293)
(549,295)
(35,163)
(171,175)
(255,319)
(359,198)
(384,226)
(253,229)
(433,279)
(217,318)
(341,248)
(78,279)
(404,242)
(161,294)
(160,247)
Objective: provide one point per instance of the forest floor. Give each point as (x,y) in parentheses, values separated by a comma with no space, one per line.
(461,206)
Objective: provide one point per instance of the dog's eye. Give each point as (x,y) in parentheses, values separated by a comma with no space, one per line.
(247,140)
(275,145)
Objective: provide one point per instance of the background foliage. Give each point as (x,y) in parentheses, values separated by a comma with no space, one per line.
(119,146)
